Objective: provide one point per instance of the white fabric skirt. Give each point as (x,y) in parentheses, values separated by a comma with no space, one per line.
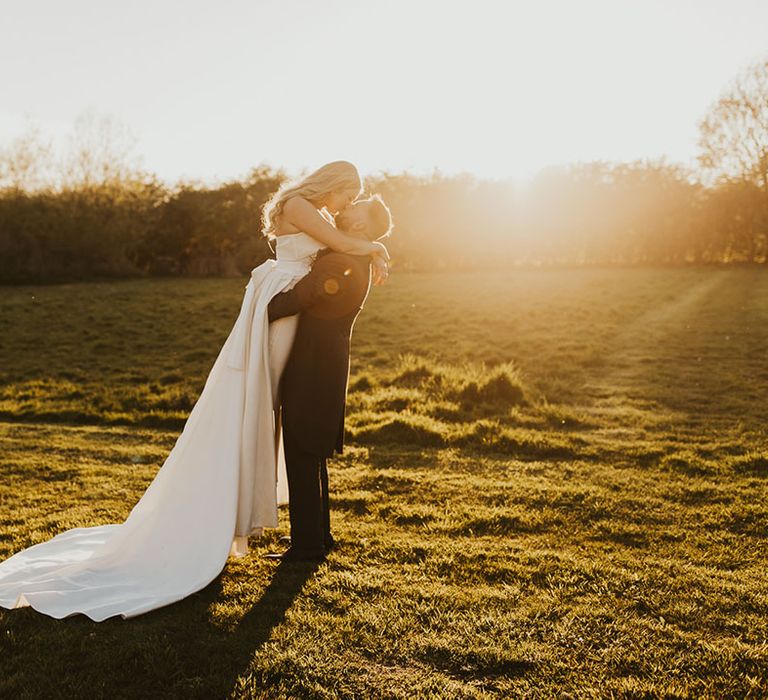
(221,482)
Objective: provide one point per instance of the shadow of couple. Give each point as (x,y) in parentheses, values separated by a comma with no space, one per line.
(176,651)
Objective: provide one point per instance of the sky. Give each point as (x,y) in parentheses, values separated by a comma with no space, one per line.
(498,88)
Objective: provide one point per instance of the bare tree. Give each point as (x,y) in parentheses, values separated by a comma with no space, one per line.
(734,132)
(25,164)
(100,153)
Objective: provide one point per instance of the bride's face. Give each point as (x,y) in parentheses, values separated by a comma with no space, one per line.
(339,199)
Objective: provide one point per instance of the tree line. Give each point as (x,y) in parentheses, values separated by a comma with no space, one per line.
(96,214)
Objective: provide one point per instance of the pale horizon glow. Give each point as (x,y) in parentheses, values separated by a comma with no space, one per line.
(500,89)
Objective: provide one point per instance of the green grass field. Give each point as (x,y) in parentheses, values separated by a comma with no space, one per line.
(555,487)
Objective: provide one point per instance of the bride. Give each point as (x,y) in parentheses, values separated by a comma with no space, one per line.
(225,476)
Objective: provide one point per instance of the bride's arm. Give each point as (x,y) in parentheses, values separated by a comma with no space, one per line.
(332,283)
(303,215)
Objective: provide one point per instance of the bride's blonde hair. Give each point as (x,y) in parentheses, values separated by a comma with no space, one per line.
(331,177)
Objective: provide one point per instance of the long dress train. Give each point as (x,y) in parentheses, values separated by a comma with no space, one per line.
(221,482)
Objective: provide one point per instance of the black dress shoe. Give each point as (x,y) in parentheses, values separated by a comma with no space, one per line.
(292,554)
(329,544)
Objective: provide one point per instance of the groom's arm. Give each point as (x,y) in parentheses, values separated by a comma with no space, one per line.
(332,285)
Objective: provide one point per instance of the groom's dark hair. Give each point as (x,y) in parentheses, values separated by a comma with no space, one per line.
(379,218)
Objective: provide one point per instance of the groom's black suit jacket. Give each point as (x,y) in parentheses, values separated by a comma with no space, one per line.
(314,382)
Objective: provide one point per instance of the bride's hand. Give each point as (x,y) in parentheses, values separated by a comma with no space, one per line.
(379,250)
(380,270)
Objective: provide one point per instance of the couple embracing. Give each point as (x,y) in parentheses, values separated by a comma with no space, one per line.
(270,414)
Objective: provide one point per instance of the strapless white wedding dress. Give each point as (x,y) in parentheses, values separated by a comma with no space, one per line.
(221,482)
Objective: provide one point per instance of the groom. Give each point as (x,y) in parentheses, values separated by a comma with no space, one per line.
(313,386)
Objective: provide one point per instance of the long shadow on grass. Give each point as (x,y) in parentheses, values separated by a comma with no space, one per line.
(257,624)
(175,651)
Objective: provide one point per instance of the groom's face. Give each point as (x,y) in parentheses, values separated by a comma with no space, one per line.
(355,219)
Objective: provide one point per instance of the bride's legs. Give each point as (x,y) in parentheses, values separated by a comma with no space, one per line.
(281,335)
(239,547)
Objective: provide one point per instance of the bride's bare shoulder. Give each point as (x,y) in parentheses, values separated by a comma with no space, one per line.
(296,204)
(296,209)
(293,207)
